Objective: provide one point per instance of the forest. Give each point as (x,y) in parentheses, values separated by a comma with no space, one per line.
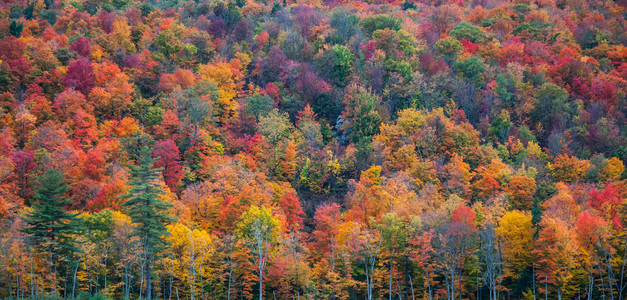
(313,149)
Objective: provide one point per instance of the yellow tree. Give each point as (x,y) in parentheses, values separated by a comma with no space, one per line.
(259,231)
(187,256)
(613,170)
(521,190)
(516,236)
(568,168)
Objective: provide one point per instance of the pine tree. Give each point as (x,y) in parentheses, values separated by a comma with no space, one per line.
(51,226)
(146,210)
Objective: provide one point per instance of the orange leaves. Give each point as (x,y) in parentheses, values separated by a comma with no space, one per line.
(522,188)
(555,253)
(181,79)
(68,102)
(458,176)
(228,78)
(263,38)
(562,206)
(288,162)
(568,168)
(491,178)
(113,98)
(84,128)
(465,215)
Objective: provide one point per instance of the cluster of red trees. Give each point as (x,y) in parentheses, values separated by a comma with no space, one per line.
(321,149)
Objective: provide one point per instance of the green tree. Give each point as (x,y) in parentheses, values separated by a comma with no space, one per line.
(471,68)
(467,31)
(343,63)
(15,28)
(394,238)
(449,48)
(336,64)
(382,21)
(147,210)
(52,227)
(361,113)
(259,230)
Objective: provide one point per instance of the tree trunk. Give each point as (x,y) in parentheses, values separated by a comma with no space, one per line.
(78,263)
(260,284)
(148,279)
(411,284)
(391,265)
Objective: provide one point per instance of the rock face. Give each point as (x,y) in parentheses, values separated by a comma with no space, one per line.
(341,132)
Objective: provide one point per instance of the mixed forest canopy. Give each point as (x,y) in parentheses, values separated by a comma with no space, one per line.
(281,149)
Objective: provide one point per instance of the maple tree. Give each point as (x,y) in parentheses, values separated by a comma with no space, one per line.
(377,149)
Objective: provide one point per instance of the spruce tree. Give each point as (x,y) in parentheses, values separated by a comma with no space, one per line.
(51,226)
(146,210)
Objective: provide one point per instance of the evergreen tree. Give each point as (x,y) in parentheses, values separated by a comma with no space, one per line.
(15,28)
(51,226)
(146,210)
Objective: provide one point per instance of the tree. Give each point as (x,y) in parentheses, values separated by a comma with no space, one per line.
(467,31)
(516,237)
(568,168)
(168,159)
(555,255)
(49,223)
(521,189)
(471,68)
(449,48)
(382,21)
(394,237)
(259,231)
(80,76)
(147,210)
(363,118)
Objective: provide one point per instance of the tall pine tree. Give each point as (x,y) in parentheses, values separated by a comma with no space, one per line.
(51,226)
(146,210)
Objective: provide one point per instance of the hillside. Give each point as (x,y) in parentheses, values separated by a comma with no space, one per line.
(246,149)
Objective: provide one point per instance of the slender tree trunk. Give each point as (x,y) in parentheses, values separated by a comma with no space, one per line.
(260,284)
(105,273)
(533,267)
(32,287)
(78,263)
(546,288)
(148,279)
(622,272)
(391,265)
(228,296)
(411,283)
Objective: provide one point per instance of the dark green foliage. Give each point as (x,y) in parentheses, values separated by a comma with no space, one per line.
(276,7)
(499,129)
(143,204)
(49,15)
(15,28)
(467,31)
(336,64)
(504,88)
(409,5)
(147,210)
(382,21)
(471,68)
(259,105)
(51,226)
(345,24)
